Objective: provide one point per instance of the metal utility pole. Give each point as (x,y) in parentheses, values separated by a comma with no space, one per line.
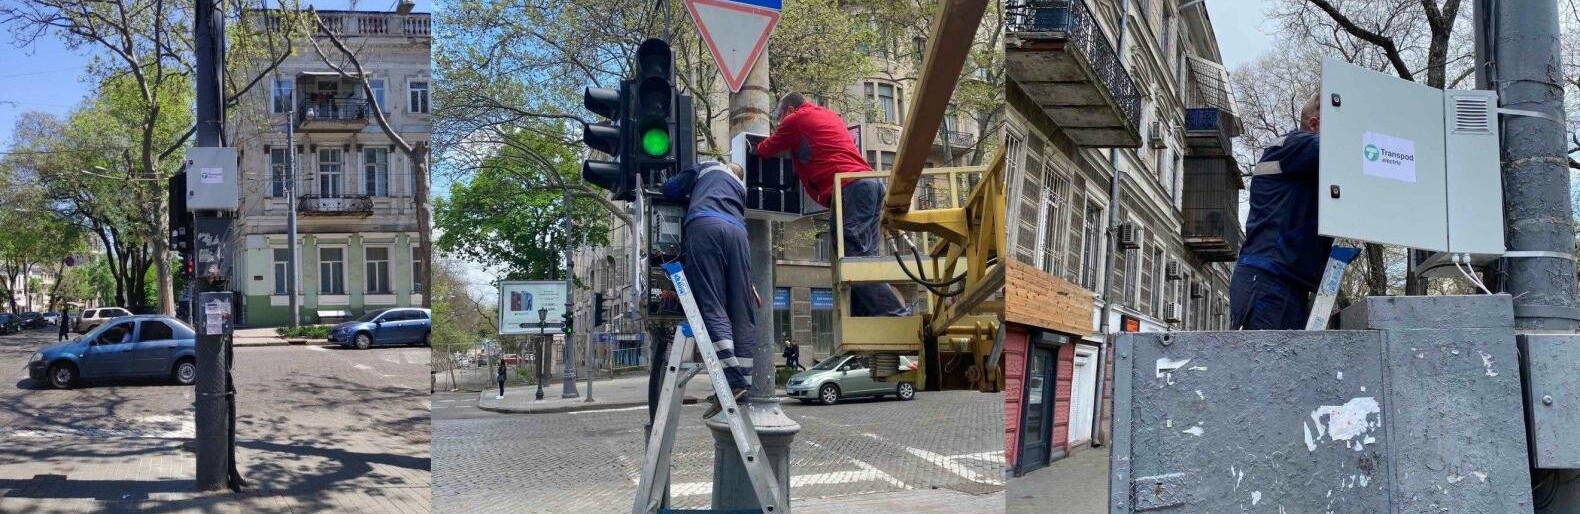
(1540,269)
(568,376)
(1104,326)
(290,213)
(215,422)
(1517,54)
(732,487)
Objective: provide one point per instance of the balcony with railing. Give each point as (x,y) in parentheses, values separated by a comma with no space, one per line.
(377,23)
(1060,60)
(334,205)
(955,141)
(1211,225)
(1210,120)
(333,114)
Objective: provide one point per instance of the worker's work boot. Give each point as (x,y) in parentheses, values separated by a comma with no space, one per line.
(715,406)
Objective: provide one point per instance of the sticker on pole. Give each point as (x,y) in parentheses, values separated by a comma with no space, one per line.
(736,32)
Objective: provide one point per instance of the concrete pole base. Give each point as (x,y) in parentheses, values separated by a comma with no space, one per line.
(732,488)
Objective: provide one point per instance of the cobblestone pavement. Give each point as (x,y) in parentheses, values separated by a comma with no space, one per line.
(319,430)
(1077,484)
(852,453)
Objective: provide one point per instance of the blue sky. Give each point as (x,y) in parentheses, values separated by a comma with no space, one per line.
(46,76)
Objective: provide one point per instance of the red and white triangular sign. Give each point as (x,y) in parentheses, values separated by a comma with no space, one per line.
(736,32)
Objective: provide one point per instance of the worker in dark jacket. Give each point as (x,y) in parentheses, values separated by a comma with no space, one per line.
(718,265)
(817,142)
(65,324)
(1283,257)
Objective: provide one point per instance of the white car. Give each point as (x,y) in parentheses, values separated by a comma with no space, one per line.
(94,317)
(52,318)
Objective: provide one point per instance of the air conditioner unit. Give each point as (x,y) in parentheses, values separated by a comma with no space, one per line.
(1128,238)
(1172,270)
(1155,136)
(1175,313)
(1195,290)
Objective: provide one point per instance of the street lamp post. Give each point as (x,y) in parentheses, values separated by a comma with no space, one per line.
(543,316)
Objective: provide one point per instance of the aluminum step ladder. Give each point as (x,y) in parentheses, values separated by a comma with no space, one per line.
(654,483)
(1328,291)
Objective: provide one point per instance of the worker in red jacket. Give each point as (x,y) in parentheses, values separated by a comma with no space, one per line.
(815,139)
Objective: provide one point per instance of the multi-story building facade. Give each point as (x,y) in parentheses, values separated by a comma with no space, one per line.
(1158,114)
(357,244)
(874,108)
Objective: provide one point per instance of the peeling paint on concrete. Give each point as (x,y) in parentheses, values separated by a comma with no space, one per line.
(1486,360)
(1166,365)
(1348,423)
(1195,431)
(1256,497)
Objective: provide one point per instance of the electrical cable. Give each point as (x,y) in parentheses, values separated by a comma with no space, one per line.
(917,256)
(932,287)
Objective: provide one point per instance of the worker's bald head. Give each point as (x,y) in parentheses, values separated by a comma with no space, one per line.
(739,172)
(1311,113)
(789,103)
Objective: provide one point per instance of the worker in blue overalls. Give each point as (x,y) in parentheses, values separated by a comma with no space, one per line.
(718,264)
(1283,257)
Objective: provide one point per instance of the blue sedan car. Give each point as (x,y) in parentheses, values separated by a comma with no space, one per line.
(405,325)
(132,346)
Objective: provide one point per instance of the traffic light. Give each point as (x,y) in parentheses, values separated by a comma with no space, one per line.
(610,138)
(654,111)
(178,219)
(568,322)
(598,310)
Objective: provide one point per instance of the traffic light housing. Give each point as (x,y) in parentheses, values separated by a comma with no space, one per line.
(610,138)
(653,111)
(598,310)
(568,322)
(178,219)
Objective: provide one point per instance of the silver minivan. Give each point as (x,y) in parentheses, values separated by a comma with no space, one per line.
(94,317)
(841,377)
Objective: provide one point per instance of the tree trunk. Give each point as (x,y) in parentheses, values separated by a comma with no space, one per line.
(161,244)
(1376,271)
(419,158)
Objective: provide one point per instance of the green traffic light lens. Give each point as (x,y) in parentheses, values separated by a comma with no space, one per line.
(655,142)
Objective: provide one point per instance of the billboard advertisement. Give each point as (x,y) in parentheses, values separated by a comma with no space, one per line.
(520,301)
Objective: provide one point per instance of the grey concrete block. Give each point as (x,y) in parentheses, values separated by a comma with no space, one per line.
(1420,312)
(1400,420)
(1250,421)
(1455,421)
(1552,381)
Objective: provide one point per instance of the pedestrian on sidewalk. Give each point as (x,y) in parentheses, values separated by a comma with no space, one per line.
(501,379)
(718,265)
(793,355)
(1283,256)
(819,145)
(65,324)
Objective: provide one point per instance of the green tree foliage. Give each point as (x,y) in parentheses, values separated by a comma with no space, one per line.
(143,60)
(504,216)
(88,171)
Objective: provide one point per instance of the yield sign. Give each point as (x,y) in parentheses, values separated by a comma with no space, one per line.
(736,32)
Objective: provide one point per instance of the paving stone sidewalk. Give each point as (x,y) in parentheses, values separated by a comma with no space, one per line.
(319,430)
(1077,484)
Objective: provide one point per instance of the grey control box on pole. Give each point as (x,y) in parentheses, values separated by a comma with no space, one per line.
(211,179)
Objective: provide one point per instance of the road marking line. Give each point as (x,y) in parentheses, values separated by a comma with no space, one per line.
(947,463)
(867,474)
(619,409)
(997,456)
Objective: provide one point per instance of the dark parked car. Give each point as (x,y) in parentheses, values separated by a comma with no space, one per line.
(404,325)
(32,320)
(130,346)
(10,324)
